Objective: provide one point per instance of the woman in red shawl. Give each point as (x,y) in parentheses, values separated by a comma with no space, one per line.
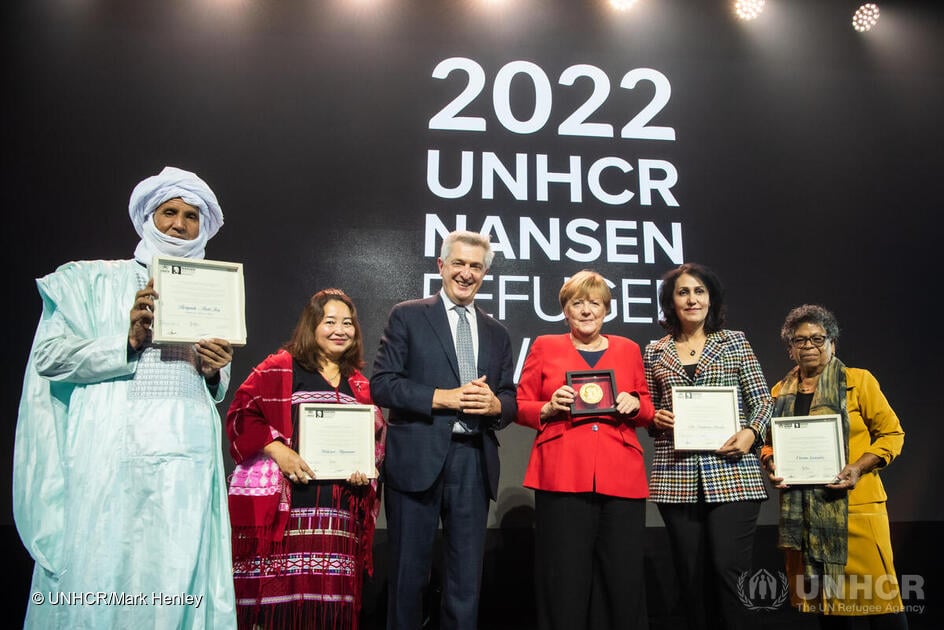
(300,544)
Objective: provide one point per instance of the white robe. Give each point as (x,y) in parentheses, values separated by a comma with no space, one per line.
(119,483)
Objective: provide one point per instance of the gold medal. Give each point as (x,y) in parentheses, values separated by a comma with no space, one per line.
(591,393)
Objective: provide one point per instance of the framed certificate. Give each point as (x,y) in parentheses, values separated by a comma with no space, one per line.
(336,440)
(705,417)
(198,299)
(808,449)
(596,392)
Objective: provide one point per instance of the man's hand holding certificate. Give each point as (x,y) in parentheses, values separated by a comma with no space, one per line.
(198,299)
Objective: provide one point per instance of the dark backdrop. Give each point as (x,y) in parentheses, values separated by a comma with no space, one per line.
(802,167)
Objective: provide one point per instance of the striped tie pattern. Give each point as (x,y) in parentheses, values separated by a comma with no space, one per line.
(464,351)
(466,356)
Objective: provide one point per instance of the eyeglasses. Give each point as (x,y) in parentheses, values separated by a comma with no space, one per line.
(818,341)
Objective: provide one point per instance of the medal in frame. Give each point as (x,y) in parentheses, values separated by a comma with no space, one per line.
(596,392)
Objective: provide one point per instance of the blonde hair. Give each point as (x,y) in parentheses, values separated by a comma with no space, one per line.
(583,284)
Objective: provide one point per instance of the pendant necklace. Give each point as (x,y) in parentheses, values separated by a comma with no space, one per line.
(691,352)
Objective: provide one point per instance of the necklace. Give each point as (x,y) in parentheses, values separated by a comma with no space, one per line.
(330,375)
(691,350)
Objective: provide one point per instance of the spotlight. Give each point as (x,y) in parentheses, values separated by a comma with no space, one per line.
(748,9)
(865,17)
(622,5)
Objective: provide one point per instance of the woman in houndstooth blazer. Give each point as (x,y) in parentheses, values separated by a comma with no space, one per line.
(709,500)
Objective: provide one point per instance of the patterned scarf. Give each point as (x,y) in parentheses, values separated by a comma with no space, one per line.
(813,519)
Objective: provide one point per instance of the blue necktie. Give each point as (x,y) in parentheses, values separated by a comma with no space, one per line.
(466,356)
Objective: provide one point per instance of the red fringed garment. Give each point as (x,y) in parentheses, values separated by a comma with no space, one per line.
(294,567)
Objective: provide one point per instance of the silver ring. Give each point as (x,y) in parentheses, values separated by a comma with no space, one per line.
(293,477)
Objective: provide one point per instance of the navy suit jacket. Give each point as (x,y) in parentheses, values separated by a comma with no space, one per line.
(417,355)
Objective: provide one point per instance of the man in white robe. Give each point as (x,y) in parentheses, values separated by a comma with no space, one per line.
(119,484)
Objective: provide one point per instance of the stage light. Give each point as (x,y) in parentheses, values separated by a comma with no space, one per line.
(748,9)
(865,17)
(622,5)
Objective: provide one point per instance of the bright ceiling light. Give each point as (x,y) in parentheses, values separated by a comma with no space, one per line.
(865,17)
(622,5)
(748,9)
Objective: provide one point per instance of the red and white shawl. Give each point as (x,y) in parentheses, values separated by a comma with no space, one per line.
(259,495)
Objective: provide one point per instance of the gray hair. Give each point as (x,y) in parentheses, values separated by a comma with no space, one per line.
(809,314)
(469,238)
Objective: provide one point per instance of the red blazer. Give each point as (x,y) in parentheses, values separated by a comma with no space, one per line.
(585,454)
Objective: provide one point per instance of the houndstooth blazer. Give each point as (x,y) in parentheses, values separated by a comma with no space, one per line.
(726,360)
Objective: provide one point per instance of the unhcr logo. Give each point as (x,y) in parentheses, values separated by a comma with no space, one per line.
(762,590)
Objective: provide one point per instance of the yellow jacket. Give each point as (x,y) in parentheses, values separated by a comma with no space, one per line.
(873,428)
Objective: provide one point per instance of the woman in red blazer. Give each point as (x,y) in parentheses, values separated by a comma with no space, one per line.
(587,471)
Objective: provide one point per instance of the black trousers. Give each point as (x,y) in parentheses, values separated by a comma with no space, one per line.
(713,545)
(458,497)
(589,552)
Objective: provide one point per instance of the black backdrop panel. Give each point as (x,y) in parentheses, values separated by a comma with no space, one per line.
(791,154)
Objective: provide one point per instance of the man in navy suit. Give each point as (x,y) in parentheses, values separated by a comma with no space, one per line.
(442,453)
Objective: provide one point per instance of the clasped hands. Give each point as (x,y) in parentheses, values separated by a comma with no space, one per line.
(475,398)
(214,353)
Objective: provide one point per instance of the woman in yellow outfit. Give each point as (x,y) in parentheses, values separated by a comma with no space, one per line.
(836,537)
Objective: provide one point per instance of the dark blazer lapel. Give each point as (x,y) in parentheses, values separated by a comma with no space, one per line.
(485,343)
(439,322)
